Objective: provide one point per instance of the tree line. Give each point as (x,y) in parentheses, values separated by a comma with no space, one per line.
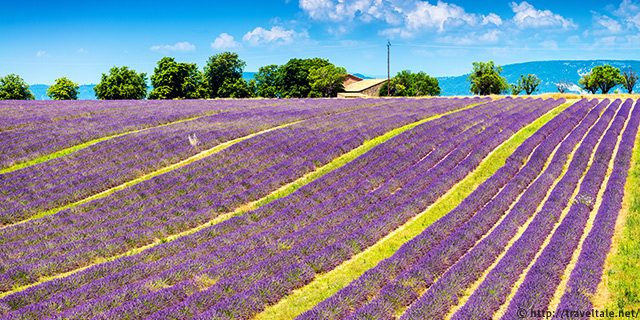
(221,77)
(485,79)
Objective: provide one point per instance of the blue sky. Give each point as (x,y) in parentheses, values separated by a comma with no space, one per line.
(42,41)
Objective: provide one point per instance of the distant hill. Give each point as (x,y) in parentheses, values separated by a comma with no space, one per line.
(549,72)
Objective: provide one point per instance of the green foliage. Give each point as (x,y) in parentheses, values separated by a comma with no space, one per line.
(293,77)
(515,90)
(528,83)
(266,81)
(606,77)
(485,79)
(221,68)
(586,83)
(173,80)
(326,81)
(12,87)
(407,84)
(237,88)
(122,83)
(63,89)
(630,79)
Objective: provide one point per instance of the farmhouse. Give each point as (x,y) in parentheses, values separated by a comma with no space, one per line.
(362,88)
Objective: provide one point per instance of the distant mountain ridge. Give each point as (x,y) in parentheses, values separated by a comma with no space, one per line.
(549,72)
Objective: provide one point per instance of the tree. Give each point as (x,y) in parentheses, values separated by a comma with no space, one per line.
(407,84)
(225,66)
(424,85)
(63,89)
(12,87)
(237,88)
(266,81)
(485,79)
(122,83)
(515,90)
(606,77)
(327,81)
(630,79)
(173,80)
(586,83)
(528,83)
(293,77)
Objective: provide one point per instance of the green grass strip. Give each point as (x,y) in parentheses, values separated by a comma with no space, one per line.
(85,145)
(624,275)
(329,283)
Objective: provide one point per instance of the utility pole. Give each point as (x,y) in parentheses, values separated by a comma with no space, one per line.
(388,75)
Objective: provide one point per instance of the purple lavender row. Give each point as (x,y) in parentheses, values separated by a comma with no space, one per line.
(131,195)
(586,275)
(109,243)
(448,288)
(546,273)
(493,291)
(427,273)
(42,128)
(240,246)
(325,251)
(358,291)
(179,244)
(59,132)
(466,271)
(256,156)
(189,172)
(97,171)
(118,160)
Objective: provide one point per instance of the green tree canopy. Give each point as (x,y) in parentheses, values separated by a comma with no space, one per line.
(586,83)
(528,83)
(407,84)
(326,81)
(606,77)
(122,83)
(174,80)
(293,77)
(485,79)
(630,79)
(266,81)
(237,88)
(12,87)
(225,66)
(63,89)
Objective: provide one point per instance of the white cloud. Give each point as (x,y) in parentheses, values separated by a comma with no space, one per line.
(225,41)
(529,17)
(429,16)
(82,50)
(42,54)
(340,10)
(277,35)
(403,18)
(610,25)
(492,18)
(179,47)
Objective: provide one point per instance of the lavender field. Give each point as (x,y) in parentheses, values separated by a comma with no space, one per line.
(439,208)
